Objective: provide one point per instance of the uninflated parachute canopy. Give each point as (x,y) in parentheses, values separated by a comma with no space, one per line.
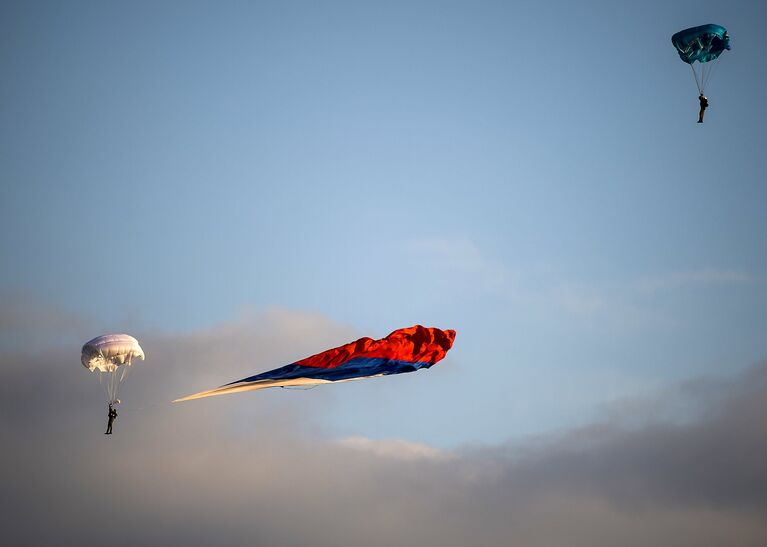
(404,350)
(111,356)
(703,44)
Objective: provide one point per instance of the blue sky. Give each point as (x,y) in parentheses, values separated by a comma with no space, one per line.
(527,173)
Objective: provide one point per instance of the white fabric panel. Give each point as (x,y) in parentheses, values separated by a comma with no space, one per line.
(263,384)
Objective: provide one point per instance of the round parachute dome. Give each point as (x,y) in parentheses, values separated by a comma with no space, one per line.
(107,352)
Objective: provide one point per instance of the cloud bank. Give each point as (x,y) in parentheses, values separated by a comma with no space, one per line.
(264,470)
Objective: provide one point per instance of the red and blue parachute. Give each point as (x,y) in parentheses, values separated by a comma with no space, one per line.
(404,350)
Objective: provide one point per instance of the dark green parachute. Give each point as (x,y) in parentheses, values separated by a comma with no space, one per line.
(703,44)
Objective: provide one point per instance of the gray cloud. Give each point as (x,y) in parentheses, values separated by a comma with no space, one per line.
(263,470)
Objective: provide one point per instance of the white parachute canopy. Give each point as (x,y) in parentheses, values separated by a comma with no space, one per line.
(111,355)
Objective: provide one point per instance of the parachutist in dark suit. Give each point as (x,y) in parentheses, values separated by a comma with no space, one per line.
(703,106)
(112,415)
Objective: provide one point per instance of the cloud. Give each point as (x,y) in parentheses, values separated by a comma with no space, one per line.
(539,292)
(26,321)
(265,470)
(463,261)
(397,449)
(693,279)
(542,292)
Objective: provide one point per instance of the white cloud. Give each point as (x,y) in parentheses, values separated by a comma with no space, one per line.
(397,449)
(693,279)
(545,293)
(462,259)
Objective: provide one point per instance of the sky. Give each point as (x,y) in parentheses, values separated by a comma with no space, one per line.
(243,184)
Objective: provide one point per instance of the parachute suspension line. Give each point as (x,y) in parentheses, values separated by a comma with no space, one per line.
(106,381)
(101,383)
(711,70)
(113,386)
(695,74)
(705,70)
(110,381)
(142,408)
(124,371)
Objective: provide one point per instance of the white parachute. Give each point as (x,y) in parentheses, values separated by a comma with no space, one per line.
(111,355)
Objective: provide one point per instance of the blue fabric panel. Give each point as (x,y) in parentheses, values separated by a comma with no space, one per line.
(354,368)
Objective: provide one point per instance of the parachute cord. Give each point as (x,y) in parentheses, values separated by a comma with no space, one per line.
(106,384)
(112,386)
(142,408)
(123,375)
(710,73)
(109,384)
(695,74)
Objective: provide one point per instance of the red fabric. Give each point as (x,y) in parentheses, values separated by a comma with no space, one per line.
(414,344)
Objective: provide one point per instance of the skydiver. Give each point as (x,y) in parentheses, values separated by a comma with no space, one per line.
(703,106)
(112,415)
